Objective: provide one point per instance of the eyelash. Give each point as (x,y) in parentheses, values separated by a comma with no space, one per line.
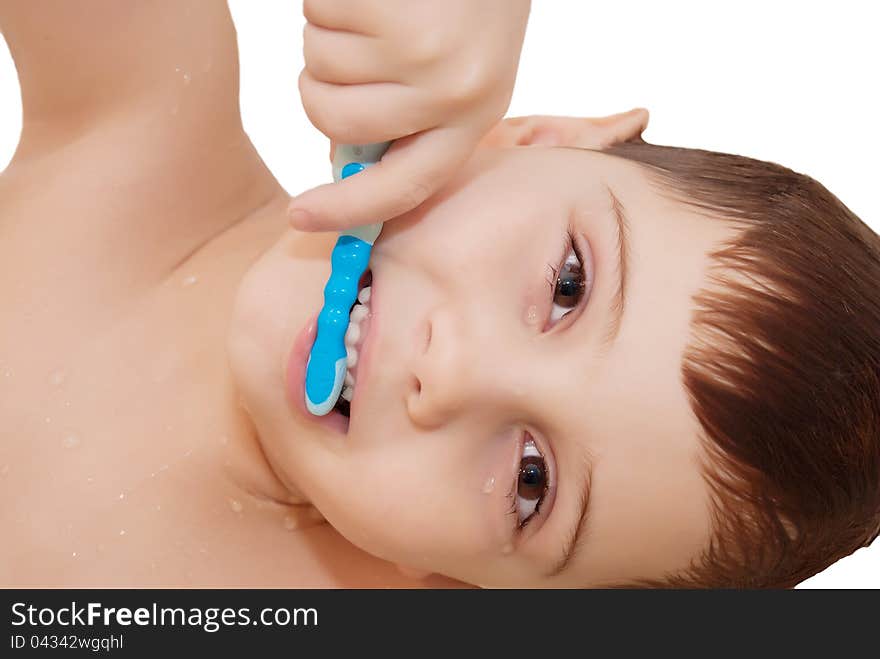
(571,244)
(514,512)
(513,493)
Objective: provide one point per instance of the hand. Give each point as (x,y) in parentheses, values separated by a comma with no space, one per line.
(433,76)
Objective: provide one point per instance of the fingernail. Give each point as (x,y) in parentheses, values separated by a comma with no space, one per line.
(299,218)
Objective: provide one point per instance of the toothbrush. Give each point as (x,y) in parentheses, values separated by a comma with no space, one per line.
(326,368)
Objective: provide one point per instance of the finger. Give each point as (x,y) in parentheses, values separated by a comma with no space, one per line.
(413,169)
(345,58)
(362,114)
(349,15)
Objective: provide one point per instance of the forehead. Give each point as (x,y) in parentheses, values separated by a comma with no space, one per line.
(650,498)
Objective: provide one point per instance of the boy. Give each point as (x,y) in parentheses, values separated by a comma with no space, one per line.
(516,322)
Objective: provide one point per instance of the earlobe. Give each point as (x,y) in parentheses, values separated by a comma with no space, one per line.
(585,133)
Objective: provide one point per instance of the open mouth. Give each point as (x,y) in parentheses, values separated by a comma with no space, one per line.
(353,341)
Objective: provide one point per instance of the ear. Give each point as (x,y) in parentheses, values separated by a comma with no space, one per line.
(579,132)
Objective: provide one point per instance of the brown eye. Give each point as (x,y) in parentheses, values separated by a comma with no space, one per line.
(532,478)
(570,284)
(531,482)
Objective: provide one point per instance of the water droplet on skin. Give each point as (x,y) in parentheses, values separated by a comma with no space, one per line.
(532,315)
(8,373)
(57,378)
(71,441)
(4,471)
(290,523)
(121,495)
(121,531)
(67,403)
(90,479)
(188,453)
(48,419)
(163,468)
(489,485)
(189,280)
(235,505)
(73,554)
(187,78)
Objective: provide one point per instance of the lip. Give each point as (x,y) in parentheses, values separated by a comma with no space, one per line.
(295,378)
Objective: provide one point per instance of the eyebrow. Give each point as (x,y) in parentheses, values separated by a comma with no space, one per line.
(575,538)
(618,300)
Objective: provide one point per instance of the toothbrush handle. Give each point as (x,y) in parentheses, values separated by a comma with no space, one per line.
(326,368)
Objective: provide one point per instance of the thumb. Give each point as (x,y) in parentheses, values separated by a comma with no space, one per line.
(413,169)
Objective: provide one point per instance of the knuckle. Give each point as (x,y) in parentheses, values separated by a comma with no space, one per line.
(424,52)
(309,9)
(307,96)
(468,85)
(308,38)
(412,193)
(324,114)
(316,61)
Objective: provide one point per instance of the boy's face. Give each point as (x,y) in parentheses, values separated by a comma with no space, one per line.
(472,373)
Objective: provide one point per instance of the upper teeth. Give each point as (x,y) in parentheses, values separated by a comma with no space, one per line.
(352,336)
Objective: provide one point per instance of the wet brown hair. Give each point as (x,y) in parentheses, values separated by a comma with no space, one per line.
(782,369)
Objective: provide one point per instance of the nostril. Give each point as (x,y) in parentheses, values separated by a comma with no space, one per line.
(417,385)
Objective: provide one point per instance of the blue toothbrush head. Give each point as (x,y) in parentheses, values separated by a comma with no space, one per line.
(327,365)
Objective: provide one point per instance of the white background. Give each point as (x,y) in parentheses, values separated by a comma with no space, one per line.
(791,82)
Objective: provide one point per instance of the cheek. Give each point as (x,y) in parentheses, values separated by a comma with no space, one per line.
(415,505)
(255,336)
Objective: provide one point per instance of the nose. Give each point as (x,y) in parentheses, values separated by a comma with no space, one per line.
(458,369)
